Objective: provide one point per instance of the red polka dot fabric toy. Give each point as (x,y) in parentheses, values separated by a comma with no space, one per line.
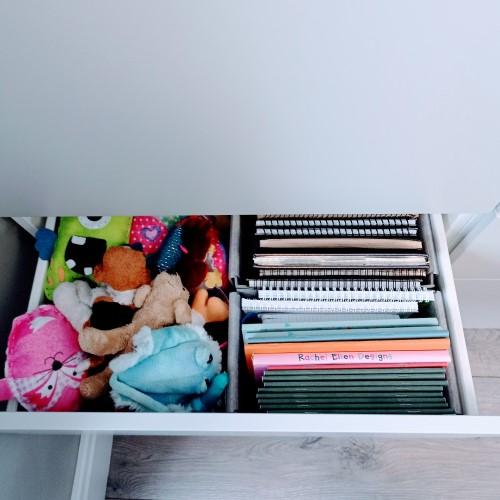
(149,231)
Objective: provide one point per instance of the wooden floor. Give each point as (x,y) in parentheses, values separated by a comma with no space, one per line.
(181,468)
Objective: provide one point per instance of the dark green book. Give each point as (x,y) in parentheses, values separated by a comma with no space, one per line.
(349,406)
(358,371)
(263,393)
(406,411)
(355,383)
(340,400)
(345,388)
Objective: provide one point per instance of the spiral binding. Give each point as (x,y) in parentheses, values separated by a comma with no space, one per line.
(258,305)
(316,273)
(400,232)
(367,285)
(348,295)
(336,216)
(401,222)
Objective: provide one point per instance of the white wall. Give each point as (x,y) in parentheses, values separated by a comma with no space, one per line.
(477,277)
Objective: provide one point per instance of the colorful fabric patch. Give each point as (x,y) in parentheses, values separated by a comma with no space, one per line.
(149,231)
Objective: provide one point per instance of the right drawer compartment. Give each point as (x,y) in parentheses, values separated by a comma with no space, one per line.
(460,391)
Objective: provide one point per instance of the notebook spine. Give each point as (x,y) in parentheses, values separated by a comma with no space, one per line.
(337,216)
(315,273)
(401,232)
(339,285)
(346,223)
(347,295)
(258,305)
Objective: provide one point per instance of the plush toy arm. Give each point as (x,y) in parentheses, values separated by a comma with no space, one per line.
(209,399)
(141,295)
(96,385)
(68,299)
(45,241)
(182,312)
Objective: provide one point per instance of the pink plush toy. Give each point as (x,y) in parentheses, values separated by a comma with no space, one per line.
(44,364)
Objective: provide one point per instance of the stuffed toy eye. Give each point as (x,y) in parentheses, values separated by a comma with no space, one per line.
(97,222)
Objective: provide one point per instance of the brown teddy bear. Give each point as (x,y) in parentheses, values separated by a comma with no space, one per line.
(163,303)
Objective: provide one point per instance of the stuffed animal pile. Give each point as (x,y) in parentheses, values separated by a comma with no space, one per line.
(132,298)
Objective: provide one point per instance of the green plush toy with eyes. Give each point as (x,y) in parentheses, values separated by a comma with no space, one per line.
(80,246)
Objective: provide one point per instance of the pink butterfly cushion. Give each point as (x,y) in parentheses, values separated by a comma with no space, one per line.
(149,232)
(44,364)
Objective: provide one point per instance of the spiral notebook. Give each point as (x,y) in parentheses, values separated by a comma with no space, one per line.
(296,223)
(338,284)
(338,273)
(336,216)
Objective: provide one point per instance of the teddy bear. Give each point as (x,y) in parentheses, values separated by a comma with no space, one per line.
(163,303)
(121,275)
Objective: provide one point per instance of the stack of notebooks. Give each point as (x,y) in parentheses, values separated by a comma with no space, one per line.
(338,317)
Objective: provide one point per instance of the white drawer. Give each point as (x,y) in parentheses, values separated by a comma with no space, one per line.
(235,423)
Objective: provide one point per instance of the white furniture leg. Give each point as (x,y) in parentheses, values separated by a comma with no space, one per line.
(92,466)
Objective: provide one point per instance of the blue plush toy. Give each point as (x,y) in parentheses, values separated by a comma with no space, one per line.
(176,368)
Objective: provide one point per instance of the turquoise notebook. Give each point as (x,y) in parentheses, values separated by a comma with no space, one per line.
(340,324)
(417,332)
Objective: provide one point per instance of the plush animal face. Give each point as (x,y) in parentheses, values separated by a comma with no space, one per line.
(183,370)
(170,287)
(44,364)
(167,369)
(80,246)
(122,268)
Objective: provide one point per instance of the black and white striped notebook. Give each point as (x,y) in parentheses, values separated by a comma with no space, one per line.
(338,273)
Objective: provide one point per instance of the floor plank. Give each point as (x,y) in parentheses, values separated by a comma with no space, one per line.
(278,468)
(483,347)
(488,395)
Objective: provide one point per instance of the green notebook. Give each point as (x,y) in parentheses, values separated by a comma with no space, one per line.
(355,383)
(346,395)
(340,400)
(351,406)
(360,371)
(406,411)
(364,388)
(339,324)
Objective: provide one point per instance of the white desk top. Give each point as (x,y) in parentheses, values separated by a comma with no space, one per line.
(231,106)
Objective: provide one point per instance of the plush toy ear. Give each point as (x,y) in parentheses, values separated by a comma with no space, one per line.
(5,392)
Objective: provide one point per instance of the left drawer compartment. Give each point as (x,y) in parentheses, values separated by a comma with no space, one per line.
(132,281)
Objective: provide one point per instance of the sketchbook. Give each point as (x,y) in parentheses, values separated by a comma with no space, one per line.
(321,306)
(332,243)
(324,260)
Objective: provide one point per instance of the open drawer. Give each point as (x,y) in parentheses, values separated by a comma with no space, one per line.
(238,423)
